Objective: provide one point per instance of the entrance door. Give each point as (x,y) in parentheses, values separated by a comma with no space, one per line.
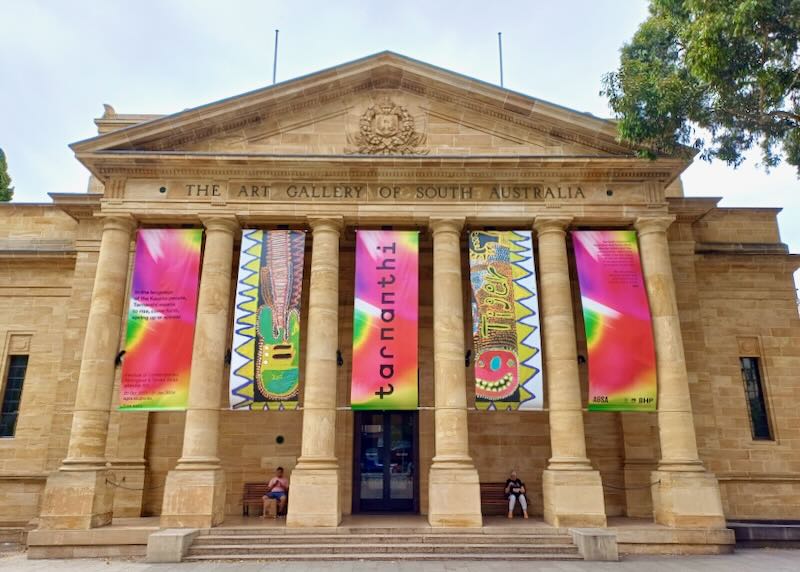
(385,472)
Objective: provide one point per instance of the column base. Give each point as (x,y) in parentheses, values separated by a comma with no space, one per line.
(454,496)
(314,497)
(77,500)
(638,494)
(128,500)
(687,499)
(193,499)
(573,498)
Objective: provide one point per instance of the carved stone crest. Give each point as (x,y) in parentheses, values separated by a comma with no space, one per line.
(386,128)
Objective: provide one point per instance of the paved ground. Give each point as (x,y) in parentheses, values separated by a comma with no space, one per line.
(756,560)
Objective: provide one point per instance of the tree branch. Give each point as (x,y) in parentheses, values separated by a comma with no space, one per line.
(785,114)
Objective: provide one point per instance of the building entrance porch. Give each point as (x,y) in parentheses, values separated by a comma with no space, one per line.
(199,490)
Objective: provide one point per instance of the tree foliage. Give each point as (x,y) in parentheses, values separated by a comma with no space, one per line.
(722,76)
(6,190)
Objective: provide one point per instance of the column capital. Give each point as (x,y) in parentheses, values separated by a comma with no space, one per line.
(546,224)
(123,222)
(446,224)
(329,223)
(649,224)
(229,224)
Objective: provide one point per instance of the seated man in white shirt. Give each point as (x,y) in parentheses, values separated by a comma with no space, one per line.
(278,489)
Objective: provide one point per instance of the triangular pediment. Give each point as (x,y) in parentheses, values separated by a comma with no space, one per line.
(414,125)
(384,104)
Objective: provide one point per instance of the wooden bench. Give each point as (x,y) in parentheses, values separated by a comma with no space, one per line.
(253,495)
(494,499)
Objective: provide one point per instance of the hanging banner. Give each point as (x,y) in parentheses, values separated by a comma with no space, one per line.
(161,319)
(616,316)
(265,360)
(505,321)
(385,320)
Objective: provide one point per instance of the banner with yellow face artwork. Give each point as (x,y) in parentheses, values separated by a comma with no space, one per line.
(505,321)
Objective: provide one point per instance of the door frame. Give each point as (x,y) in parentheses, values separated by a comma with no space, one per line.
(356,484)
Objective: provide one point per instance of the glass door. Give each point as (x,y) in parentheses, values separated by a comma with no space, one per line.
(385,476)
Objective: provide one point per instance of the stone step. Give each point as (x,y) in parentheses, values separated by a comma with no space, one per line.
(245,539)
(381,556)
(344,530)
(9,547)
(318,549)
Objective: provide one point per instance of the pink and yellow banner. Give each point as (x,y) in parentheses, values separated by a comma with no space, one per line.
(616,316)
(385,320)
(161,319)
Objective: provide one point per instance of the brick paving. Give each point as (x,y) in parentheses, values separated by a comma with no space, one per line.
(744,560)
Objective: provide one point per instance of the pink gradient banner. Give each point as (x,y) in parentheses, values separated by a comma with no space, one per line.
(385,320)
(161,320)
(616,316)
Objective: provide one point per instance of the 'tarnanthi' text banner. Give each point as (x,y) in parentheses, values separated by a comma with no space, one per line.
(385,320)
(161,320)
(616,316)
(265,360)
(505,321)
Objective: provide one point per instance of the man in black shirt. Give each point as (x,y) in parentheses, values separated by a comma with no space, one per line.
(515,490)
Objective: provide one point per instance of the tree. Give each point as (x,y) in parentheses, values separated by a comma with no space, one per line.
(6,190)
(721,76)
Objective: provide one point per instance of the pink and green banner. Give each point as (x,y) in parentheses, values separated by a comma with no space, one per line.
(385,320)
(161,319)
(616,316)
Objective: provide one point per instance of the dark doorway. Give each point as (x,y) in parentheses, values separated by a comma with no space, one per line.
(385,473)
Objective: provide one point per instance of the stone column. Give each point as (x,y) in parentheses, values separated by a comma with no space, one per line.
(194,495)
(572,489)
(686,494)
(453,484)
(78,496)
(314,486)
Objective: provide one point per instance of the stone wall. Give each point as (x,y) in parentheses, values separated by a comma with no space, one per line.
(748,310)
(36,271)
(738,225)
(736,305)
(30,223)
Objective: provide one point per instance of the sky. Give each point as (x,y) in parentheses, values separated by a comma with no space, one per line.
(60,61)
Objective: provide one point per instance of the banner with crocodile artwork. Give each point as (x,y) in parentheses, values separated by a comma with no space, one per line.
(161,319)
(385,320)
(616,317)
(265,356)
(505,321)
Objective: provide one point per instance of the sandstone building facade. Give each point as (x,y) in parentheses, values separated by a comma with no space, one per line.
(724,444)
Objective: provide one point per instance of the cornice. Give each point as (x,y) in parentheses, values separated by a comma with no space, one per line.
(744,248)
(77,205)
(138,164)
(691,209)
